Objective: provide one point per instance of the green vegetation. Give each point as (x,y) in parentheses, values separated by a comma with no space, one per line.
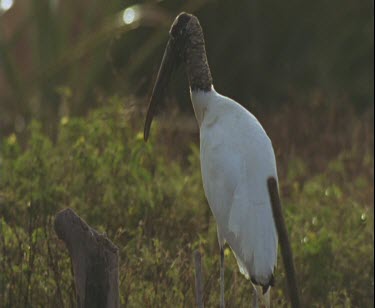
(150,202)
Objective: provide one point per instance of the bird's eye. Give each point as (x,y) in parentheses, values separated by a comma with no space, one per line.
(174,32)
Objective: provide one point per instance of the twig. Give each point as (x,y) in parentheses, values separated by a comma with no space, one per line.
(198,279)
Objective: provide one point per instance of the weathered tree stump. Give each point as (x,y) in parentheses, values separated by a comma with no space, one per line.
(95,261)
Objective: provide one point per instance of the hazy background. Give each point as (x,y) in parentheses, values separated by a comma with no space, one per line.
(264,54)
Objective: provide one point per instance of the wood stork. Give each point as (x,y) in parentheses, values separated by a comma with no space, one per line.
(236,158)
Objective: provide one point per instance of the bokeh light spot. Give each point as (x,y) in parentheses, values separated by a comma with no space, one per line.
(129,16)
(5,5)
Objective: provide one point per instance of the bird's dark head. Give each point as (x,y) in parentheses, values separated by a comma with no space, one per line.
(179,28)
(180,32)
(184,34)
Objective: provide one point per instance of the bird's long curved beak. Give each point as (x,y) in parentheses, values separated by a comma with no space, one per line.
(169,62)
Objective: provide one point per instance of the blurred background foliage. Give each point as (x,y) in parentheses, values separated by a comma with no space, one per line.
(75,77)
(262,53)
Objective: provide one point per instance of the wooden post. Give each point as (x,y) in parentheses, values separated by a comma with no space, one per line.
(95,261)
(198,279)
(286,249)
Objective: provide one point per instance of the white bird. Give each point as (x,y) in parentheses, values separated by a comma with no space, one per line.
(236,158)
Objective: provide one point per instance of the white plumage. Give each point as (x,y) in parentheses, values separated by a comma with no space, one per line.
(237,158)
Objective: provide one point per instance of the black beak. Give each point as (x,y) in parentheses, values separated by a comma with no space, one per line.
(169,62)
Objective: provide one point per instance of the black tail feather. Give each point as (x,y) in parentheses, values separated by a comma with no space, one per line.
(266,286)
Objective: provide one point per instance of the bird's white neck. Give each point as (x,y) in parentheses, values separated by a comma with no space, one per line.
(201,101)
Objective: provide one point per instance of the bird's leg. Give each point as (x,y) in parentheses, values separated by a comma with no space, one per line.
(222,300)
(255,297)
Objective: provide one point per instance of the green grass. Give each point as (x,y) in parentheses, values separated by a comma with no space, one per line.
(151,204)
